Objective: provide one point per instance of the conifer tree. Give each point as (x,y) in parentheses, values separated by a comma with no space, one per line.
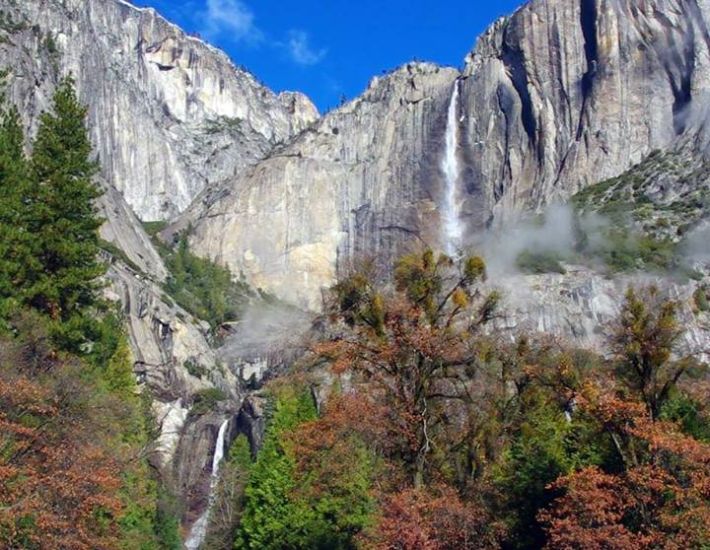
(16,240)
(65,221)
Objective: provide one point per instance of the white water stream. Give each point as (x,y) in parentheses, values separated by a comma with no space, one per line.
(199,528)
(453,228)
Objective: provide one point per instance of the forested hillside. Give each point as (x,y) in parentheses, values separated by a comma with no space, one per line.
(430,432)
(75,429)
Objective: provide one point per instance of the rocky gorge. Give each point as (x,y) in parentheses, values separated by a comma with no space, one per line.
(556,98)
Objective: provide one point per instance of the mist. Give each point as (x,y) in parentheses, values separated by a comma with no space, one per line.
(555,232)
(696,245)
(267,327)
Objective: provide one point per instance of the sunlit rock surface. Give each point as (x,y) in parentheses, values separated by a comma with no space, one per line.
(169,114)
(559,95)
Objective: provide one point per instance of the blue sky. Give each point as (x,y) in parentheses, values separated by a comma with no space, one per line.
(332,48)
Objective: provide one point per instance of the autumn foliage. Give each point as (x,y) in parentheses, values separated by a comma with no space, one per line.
(57,488)
(482,443)
(659,499)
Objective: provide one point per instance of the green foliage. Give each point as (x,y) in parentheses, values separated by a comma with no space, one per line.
(700,297)
(538,263)
(357,301)
(203,288)
(194,368)
(207,400)
(625,251)
(692,415)
(153,228)
(118,253)
(63,219)
(342,506)
(17,244)
(545,447)
(50,45)
(646,224)
(167,522)
(272,518)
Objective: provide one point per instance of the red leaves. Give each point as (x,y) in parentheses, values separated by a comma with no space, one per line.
(662,499)
(56,491)
(435,519)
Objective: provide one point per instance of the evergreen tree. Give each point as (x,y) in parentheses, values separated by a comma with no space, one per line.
(65,223)
(17,257)
(272,518)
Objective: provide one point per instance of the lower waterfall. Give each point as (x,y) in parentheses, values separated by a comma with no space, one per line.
(199,529)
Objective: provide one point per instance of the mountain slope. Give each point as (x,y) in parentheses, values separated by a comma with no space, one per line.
(168,113)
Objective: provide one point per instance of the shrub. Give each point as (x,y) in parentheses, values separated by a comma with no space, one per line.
(206,401)
(539,263)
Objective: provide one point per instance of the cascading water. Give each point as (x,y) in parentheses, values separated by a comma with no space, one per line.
(199,529)
(453,229)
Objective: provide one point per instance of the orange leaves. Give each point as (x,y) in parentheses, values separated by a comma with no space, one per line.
(56,491)
(590,513)
(661,499)
(436,519)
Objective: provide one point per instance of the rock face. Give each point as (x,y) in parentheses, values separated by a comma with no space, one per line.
(559,95)
(364,180)
(169,114)
(580,307)
(567,93)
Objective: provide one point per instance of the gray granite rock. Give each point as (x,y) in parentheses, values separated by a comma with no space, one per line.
(168,113)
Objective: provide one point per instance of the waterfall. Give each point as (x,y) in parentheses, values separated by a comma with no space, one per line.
(453,229)
(199,529)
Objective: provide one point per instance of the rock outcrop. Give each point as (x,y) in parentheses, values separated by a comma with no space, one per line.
(580,307)
(567,93)
(362,181)
(169,114)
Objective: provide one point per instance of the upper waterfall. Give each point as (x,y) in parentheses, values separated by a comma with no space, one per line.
(452,227)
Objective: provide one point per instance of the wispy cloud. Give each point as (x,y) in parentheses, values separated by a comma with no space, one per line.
(300,49)
(234,20)
(231,19)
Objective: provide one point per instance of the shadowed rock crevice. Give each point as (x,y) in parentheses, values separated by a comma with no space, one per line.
(514,61)
(588,20)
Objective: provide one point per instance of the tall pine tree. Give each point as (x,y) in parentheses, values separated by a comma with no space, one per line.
(65,222)
(17,257)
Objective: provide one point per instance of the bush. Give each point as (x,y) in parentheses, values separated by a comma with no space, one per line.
(700,296)
(194,368)
(206,401)
(538,263)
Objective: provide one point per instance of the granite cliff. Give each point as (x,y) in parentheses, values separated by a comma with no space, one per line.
(168,113)
(555,97)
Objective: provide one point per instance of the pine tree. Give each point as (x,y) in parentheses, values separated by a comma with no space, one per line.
(65,223)
(17,257)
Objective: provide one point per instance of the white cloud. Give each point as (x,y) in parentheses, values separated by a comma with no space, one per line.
(300,49)
(232,19)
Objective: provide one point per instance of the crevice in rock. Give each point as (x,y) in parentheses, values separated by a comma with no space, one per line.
(588,20)
(514,62)
(588,23)
(681,85)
